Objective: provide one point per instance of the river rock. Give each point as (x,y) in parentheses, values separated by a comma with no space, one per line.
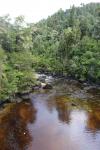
(47,86)
(43,85)
(42,78)
(49,79)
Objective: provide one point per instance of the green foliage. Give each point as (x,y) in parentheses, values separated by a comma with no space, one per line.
(16,61)
(66,43)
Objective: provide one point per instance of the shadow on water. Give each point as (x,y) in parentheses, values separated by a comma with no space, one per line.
(14,133)
(93,121)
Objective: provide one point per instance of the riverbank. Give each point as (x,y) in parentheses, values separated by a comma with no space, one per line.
(49,82)
(42,82)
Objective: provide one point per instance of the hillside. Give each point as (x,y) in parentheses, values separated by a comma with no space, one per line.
(66,43)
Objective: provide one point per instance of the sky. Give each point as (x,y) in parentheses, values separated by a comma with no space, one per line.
(35,10)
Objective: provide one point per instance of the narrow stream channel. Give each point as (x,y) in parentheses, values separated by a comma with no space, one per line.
(65,118)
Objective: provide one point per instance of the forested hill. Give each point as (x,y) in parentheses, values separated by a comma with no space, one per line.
(66,43)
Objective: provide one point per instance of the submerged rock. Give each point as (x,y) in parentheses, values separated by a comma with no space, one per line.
(73,104)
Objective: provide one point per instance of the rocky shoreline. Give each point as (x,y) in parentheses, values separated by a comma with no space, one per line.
(45,82)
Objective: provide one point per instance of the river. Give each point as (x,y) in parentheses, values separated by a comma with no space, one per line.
(64,118)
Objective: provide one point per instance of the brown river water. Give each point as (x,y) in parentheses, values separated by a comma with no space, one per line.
(65,118)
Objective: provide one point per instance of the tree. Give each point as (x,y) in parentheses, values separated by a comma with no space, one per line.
(96,29)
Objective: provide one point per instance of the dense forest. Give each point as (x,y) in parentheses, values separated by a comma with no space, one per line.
(66,43)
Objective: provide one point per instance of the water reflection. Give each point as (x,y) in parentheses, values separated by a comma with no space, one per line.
(51,122)
(14,134)
(64,124)
(60,104)
(93,122)
(65,107)
(63,110)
